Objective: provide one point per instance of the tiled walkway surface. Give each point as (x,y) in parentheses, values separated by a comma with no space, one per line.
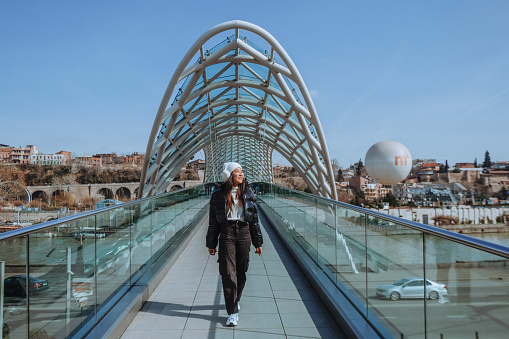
(277,301)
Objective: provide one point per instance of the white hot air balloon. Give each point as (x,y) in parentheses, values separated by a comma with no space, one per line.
(388,162)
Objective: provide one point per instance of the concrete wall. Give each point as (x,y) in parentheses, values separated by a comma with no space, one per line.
(476,215)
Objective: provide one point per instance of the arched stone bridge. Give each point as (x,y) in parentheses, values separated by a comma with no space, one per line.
(122,190)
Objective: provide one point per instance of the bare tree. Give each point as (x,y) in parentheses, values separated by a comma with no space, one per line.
(12,184)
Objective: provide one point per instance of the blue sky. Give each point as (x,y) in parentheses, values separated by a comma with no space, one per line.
(88,76)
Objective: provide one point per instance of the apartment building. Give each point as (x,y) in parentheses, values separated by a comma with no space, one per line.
(372,190)
(47,159)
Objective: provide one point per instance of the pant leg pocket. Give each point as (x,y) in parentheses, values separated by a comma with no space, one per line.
(223,269)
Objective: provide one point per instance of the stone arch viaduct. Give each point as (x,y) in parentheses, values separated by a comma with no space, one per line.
(98,191)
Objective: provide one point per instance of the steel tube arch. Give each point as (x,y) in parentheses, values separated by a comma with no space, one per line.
(233,98)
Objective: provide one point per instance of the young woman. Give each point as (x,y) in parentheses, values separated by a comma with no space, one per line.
(233,219)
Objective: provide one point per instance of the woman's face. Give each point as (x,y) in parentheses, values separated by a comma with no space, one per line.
(237,177)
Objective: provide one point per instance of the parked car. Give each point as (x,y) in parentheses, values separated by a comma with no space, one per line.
(88,234)
(16,286)
(411,288)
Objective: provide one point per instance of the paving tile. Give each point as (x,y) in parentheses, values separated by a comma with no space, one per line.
(299,306)
(184,287)
(294,294)
(266,333)
(189,271)
(182,279)
(255,321)
(256,271)
(202,296)
(197,321)
(311,332)
(165,308)
(304,320)
(209,309)
(249,307)
(159,322)
(153,333)
(210,287)
(213,333)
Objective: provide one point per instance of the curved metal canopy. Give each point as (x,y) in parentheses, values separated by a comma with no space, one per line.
(238,102)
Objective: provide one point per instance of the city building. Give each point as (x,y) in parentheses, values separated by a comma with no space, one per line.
(500,165)
(135,158)
(67,156)
(110,158)
(47,159)
(84,159)
(5,153)
(348,173)
(372,190)
(427,194)
(197,164)
(21,155)
(460,165)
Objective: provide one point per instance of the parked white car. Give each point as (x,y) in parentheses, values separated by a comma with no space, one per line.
(411,288)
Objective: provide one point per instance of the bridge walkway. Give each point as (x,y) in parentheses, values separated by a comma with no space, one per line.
(278,301)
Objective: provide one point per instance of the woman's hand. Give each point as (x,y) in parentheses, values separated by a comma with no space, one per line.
(212,251)
(258,251)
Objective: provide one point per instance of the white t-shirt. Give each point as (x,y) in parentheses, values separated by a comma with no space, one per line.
(237,212)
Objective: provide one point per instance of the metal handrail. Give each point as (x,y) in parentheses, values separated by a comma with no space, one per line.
(462,239)
(20,232)
(466,240)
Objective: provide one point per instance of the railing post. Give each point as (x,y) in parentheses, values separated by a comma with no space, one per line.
(2,276)
(69,285)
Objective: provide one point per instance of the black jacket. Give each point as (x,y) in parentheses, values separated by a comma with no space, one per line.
(217,216)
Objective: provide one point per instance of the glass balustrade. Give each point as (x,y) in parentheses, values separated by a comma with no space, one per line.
(408,280)
(60,278)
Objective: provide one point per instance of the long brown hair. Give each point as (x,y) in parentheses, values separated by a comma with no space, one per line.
(228,185)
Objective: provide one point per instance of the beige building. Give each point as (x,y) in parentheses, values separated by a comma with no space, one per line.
(21,155)
(67,156)
(6,154)
(371,189)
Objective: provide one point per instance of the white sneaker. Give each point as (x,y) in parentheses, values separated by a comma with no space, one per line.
(232,319)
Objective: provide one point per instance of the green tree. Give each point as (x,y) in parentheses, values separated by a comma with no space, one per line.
(503,194)
(475,163)
(359,167)
(487,160)
(392,200)
(359,199)
(339,176)
(446,166)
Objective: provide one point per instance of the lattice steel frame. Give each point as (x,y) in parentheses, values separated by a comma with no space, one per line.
(254,156)
(237,89)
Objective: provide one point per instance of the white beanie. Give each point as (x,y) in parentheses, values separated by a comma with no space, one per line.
(228,168)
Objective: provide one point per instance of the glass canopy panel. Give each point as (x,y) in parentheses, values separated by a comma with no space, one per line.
(252,44)
(189,104)
(228,74)
(212,70)
(257,91)
(262,71)
(199,84)
(219,45)
(245,94)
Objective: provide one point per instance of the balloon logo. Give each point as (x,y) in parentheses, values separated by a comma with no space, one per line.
(388,162)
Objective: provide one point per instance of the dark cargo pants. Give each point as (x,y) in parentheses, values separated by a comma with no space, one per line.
(234,245)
